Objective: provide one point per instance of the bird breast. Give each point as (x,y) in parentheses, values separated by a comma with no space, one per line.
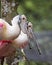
(22,40)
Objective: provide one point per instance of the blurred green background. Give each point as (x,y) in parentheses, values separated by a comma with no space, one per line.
(39,12)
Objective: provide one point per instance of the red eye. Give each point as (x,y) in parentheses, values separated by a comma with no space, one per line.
(23,18)
(29,26)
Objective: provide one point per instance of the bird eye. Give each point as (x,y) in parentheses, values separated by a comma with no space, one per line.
(29,26)
(23,18)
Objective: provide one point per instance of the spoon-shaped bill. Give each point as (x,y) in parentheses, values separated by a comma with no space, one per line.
(32,36)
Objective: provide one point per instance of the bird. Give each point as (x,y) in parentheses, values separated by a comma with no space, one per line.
(7,31)
(8,47)
(7,34)
(32,37)
(22,40)
(26,33)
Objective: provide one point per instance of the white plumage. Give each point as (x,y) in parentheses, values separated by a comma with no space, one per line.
(22,40)
(9,32)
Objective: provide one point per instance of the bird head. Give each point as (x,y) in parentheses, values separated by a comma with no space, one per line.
(30,25)
(23,23)
(30,30)
(33,37)
(23,18)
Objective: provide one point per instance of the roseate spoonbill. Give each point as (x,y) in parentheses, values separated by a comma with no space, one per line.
(33,37)
(22,40)
(9,32)
(26,33)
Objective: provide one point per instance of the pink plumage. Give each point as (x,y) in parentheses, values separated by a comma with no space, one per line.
(6,48)
(1,24)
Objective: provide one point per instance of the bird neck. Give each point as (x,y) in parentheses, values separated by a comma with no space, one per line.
(11,31)
(22,37)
